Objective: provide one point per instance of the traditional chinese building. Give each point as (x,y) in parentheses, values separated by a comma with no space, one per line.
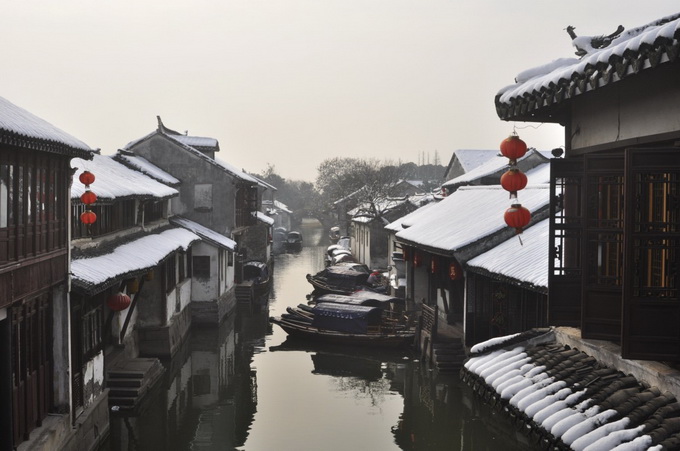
(615,207)
(35,392)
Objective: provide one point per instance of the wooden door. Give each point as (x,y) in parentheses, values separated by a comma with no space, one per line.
(651,306)
(566,231)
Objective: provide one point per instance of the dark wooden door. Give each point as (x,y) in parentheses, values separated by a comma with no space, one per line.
(651,306)
(566,231)
(602,247)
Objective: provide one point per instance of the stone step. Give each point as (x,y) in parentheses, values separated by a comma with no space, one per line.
(121,401)
(118,392)
(124,382)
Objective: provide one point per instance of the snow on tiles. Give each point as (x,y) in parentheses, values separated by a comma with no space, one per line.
(114,180)
(138,255)
(484,203)
(144,166)
(24,123)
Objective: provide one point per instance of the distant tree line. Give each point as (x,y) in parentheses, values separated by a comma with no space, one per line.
(368,180)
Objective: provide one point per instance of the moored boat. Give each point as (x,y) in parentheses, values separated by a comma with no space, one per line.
(345,324)
(338,280)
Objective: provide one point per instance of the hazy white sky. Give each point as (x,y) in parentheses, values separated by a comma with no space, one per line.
(293,82)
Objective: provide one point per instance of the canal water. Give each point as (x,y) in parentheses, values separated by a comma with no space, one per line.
(246,386)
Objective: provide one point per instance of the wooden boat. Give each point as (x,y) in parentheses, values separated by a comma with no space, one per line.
(257,273)
(338,280)
(345,324)
(294,241)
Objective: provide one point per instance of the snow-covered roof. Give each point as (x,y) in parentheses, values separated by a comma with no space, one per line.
(204,232)
(631,52)
(99,272)
(471,158)
(539,175)
(114,180)
(145,166)
(21,127)
(397,225)
(231,169)
(526,262)
(196,141)
(468,215)
(263,217)
(570,398)
(489,167)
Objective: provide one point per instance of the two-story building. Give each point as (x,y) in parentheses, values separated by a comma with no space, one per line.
(214,194)
(35,388)
(615,210)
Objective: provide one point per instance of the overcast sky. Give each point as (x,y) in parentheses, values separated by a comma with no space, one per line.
(294,82)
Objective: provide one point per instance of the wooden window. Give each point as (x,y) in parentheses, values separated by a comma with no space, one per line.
(201,266)
(170,273)
(33,194)
(154,210)
(181,263)
(651,297)
(110,218)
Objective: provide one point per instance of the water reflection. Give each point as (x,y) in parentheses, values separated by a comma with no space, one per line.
(246,386)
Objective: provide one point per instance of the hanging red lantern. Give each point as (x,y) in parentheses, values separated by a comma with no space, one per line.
(88,217)
(517,217)
(513,180)
(513,148)
(118,302)
(86,178)
(88,197)
(417,259)
(434,265)
(455,271)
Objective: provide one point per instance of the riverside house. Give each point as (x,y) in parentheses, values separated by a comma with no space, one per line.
(615,209)
(36,408)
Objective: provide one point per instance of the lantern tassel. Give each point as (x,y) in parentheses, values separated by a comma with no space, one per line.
(519,237)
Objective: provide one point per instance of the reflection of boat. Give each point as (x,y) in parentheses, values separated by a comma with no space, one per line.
(257,273)
(338,280)
(345,324)
(294,241)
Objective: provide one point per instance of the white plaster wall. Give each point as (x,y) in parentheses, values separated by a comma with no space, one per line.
(627,110)
(183,292)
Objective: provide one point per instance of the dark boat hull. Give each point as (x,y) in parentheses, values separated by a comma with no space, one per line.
(392,340)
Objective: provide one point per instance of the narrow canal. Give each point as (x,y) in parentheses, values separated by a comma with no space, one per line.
(246,386)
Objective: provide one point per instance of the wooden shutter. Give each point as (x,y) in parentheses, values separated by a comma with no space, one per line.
(602,247)
(566,229)
(651,308)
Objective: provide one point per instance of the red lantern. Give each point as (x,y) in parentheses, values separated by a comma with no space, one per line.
(88,217)
(88,197)
(118,302)
(513,148)
(517,217)
(417,259)
(513,180)
(434,265)
(455,271)
(86,178)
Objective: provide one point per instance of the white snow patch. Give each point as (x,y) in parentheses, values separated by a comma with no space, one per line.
(480,347)
(586,425)
(639,444)
(609,436)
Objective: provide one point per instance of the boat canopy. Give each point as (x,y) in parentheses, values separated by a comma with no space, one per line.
(354,319)
(366,298)
(255,270)
(342,277)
